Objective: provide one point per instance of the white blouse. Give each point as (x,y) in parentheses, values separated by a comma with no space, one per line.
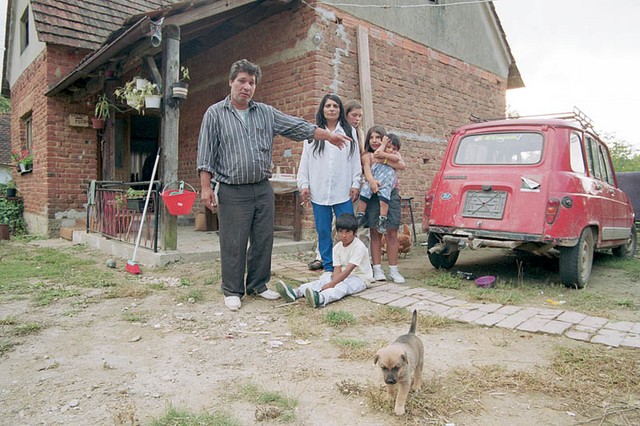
(331,174)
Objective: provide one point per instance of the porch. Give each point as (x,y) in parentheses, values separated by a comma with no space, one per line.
(193,246)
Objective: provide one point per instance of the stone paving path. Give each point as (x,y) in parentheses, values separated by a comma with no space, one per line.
(573,325)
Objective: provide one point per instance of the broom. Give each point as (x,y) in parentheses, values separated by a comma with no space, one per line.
(132,267)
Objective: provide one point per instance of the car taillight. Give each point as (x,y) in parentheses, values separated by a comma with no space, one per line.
(553,207)
(428,203)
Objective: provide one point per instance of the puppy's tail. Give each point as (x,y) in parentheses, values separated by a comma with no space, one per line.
(414,321)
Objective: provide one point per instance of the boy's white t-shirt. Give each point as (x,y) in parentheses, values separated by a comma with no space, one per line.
(357,254)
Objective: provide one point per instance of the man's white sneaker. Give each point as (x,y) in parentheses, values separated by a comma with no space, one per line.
(378,275)
(396,277)
(269,295)
(232,303)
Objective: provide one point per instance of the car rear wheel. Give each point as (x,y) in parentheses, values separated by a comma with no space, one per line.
(629,249)
(576,261)
(445,259)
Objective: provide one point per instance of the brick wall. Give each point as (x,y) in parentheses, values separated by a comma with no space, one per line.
(418,93)
(64,156)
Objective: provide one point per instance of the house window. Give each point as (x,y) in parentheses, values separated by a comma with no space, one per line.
(27,132)
(24,30)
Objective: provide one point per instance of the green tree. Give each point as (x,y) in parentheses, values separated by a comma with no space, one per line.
(624,157)
(5,105)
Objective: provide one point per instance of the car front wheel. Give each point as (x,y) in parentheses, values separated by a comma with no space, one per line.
(627,250)
(576,261)
(445,259)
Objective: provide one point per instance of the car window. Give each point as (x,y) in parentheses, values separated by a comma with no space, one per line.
(500,148)
(592,158)
(577,159)
(605,164)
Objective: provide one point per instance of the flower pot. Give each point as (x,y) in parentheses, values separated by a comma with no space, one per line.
(97,123)
(179,90)
(152,101)
(133,101)
(136,204)
(11,192)
(141,83)
(4,231)
(24,168)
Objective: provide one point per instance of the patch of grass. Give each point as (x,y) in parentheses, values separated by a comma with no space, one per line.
(353,350)
(385,314)
(6,345)
(631,267)
(270,405)
(130,316)
(10,320)
(303,323)
(46,295)
(176,417)
(133,290)
(184,282)
(26,329)
(339,318)
(193,296)
(445,280)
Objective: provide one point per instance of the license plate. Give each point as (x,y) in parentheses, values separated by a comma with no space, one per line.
(484,204)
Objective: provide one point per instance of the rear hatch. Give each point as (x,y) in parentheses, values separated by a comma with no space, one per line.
(493,183)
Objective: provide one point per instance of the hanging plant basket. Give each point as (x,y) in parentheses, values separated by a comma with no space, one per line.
(178,201)
(152,101)
(97,123)
(179,90)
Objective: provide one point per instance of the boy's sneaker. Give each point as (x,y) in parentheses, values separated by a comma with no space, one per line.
(313,298)
(396,276)
(286,292)
(382,224)
(362,219)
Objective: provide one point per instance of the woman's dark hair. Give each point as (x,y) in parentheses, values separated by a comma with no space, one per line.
(374,129)
(347,222)
(321,121)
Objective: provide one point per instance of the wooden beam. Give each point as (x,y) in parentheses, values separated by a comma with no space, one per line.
(169,133)
(364,71)
(205,12)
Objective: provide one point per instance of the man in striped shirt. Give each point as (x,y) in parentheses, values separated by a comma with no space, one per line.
(235,149)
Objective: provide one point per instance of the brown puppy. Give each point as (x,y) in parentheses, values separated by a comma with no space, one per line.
(401,364)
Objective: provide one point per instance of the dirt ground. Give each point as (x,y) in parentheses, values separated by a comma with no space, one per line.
(92,366)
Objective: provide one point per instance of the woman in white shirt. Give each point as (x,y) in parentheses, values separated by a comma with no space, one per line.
(328,176)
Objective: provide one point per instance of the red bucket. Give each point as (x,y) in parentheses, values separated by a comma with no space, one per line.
(179,202)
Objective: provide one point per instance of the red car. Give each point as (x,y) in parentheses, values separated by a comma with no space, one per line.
(540,185)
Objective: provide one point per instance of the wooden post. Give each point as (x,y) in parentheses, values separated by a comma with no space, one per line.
(169,134)
(364,71)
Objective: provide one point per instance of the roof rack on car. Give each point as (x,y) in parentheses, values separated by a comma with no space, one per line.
(576,115)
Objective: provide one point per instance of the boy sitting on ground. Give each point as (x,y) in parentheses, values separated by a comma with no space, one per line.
(351,274)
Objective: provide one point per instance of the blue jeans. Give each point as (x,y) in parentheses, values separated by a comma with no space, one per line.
(323,216)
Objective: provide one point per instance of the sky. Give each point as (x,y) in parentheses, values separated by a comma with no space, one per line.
(583,53)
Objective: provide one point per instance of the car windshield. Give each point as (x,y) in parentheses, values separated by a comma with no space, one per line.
(500,148)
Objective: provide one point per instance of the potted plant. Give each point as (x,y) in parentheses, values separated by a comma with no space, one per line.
(24,159)
(131,95)
(135,199)
(151,94)
(180,89)
(10,189)
(102,112)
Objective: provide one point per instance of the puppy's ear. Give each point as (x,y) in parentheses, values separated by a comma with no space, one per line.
(375,359)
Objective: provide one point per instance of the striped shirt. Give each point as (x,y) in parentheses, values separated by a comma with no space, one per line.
(238,153)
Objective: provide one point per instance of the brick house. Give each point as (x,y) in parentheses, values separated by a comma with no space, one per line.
(420,72)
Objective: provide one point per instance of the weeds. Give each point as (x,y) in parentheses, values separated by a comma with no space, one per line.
(339,318)
(175,417)
(270,405)
(353,350)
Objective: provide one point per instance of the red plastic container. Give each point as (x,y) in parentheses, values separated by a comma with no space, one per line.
(178,202)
